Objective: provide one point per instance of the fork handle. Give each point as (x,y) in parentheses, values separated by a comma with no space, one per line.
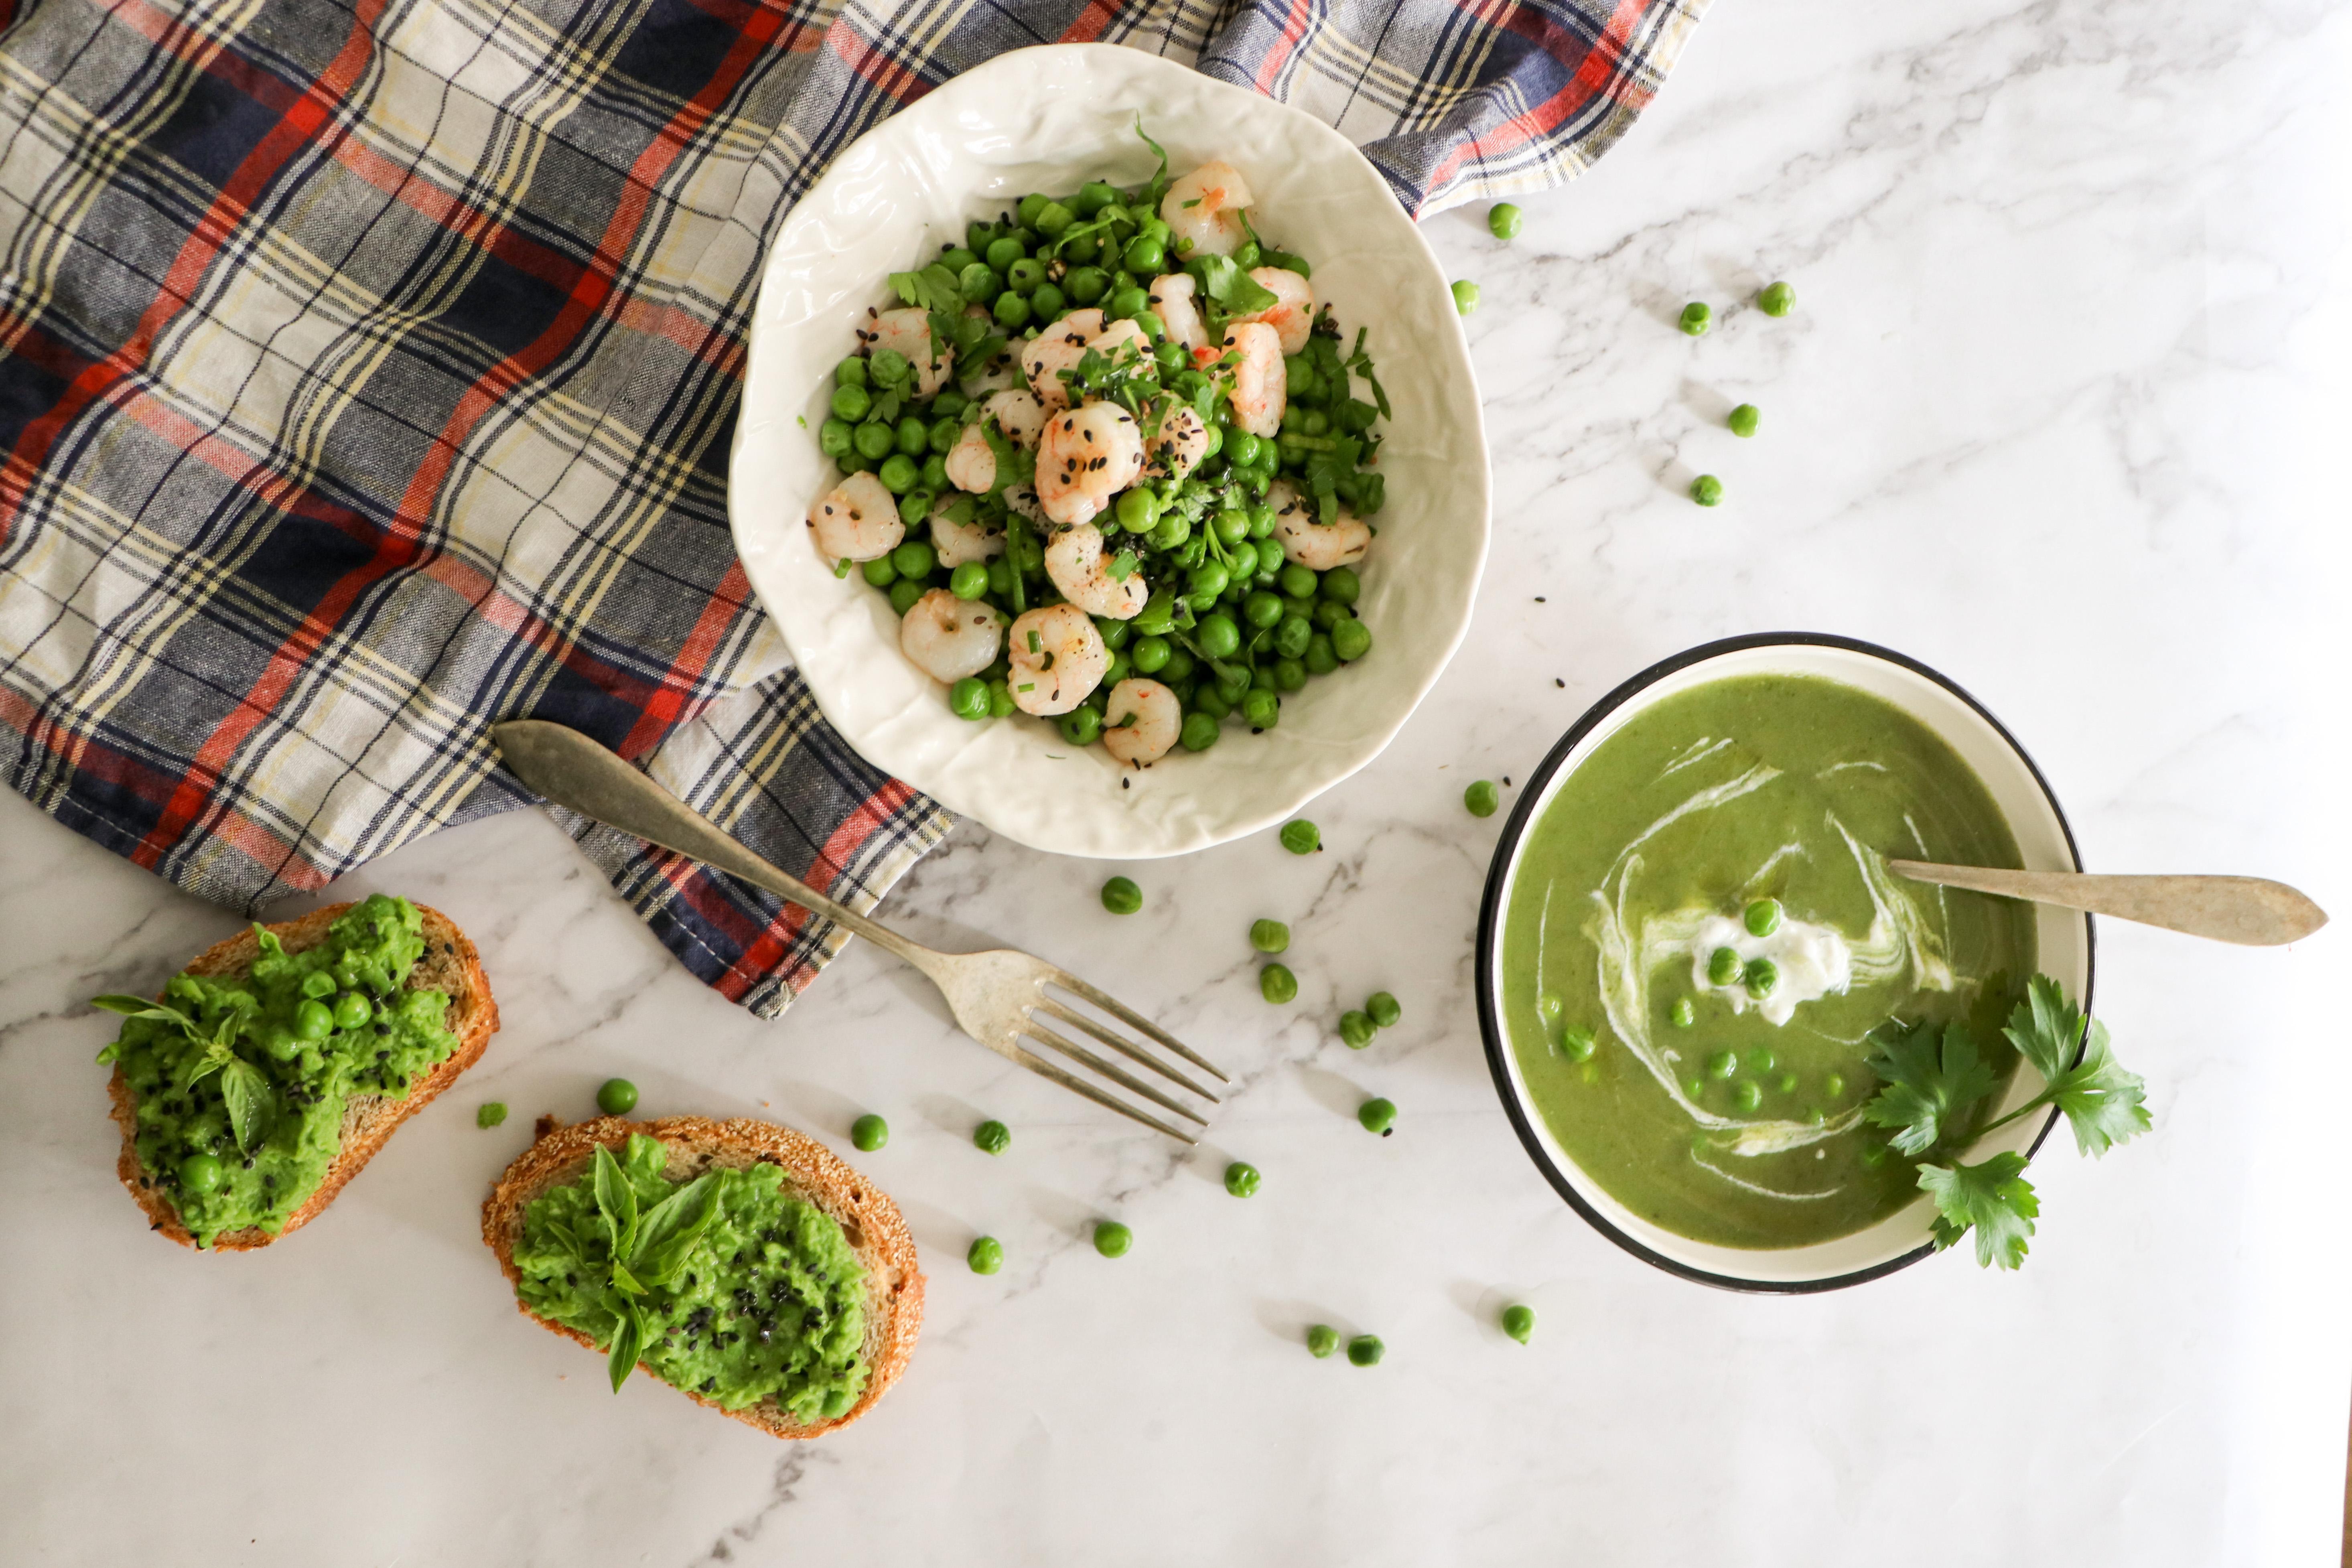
(571,770)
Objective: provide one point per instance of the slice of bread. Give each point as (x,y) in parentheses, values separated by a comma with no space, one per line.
(449,965)
(869,1221)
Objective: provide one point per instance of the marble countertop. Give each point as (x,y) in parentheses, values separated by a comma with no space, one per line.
(2056,413)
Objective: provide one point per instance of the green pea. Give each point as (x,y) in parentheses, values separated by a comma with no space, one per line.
(1684,1013)
(869,1132)
(1291,636)
(1269,556)
(1761,975)
(1085,285)
(834,438)
(1694,318)
(1356,1029)
(1760,1059)
(1319,658)
(1170,531)
(1289,675)
(1000,699)
(1301,837)
(1776,299)
(903,594)
(1127,303)
(851,402)
(1722,966)
(1786,1083)
(969,581)
(888,367)
(313,1020)
(850,372)
(1503,221)
(874,442)
(616,1096)
(1328,615)
(914,436)
(1723,1064)
(1297,582)
(957,259)
(1696,1087)
(200,1173)
(1112,1239)
(1269,936)
(491,1113)
(1200,731)
(1518,1321)
(980,281)
(1366,1350)
(1277,985)
(1011,311)
(1120,895)
(1023,275)
(1219,637)
(1742,420)
(1383,1009)
(992,1137)
(1378,1116)
(1465,297)
(1707,491)
(1322,1339)
(1763,917)
(987,1255)
(1833,1085)
(1004,253)
(1080,726)
(1745,1096)
(945,432)
(1576,1044)
(1139,510)
(1241,1179)
(352,1010)
(1351,640)
(1261,710)
(1144,255)
(914,559)
(968,697)
(1480,798)
(1149,654)
(1231,528)
(899,474)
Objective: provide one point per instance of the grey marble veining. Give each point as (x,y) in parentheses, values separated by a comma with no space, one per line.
(2057,413)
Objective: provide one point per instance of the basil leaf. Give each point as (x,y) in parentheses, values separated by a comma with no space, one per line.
(617,1202)
(139,1007)
(673,1227)
(214,1058)
(628,1339)
(625,1281)
(251,1105)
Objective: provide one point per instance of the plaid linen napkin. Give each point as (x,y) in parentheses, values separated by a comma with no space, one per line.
(368,369)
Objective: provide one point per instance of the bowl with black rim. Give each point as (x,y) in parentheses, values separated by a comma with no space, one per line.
(2064,941)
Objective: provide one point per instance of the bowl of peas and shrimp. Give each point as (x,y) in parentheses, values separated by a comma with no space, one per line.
(1142,486)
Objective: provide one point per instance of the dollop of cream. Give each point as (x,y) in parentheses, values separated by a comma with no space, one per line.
(1813,960)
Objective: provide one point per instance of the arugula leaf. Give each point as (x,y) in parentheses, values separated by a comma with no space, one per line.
(1924,1094)
(628,1340)
(2103,1103)
(245,1089)
(1994,1199)
(1222,279)
(672,1228)
(616,1200)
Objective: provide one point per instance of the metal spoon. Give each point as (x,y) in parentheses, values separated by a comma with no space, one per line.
(2247,911)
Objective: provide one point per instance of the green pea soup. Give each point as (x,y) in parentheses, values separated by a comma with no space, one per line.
(1720,1097)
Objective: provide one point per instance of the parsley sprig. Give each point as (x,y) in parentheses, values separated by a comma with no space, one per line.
(1934,1081)
(243,1086)
(648,1249)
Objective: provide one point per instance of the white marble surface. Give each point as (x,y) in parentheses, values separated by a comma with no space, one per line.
(2057,413)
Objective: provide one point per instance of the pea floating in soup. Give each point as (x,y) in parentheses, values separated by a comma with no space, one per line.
(1701,929)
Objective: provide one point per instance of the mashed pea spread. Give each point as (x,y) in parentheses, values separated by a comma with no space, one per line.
(1703,931)
(240,1083)
(770,1304)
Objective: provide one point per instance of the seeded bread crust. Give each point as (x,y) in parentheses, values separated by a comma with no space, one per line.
(449,965)
(869,1221)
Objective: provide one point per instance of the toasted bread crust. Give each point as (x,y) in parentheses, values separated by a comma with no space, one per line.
(871,1223)
(449,964)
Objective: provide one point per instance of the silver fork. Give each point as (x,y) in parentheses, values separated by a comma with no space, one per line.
(997,997)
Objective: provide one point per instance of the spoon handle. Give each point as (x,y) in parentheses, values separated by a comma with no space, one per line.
(2247,911)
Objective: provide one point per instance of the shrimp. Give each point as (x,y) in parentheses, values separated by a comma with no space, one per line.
(1260,388)
(1057,657)
(856,520)
(1075,561)
(909,333)
(1173,303)
(1179,443)
(1292,314)
(972,462)
(1057,348)
(1202,208)
(1142,720)
(1318,546)
(1089,455)
(957,543)
(948,638)
(1116,336)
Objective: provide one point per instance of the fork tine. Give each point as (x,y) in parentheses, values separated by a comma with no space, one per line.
(1079,1086)
(1069,1015)
(1128,1016)
(1118,1075)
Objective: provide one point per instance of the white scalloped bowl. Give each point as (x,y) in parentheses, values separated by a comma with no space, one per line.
(1051,118)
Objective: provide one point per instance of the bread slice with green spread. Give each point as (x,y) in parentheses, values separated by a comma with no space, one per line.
(241,1119)
(758,1273)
